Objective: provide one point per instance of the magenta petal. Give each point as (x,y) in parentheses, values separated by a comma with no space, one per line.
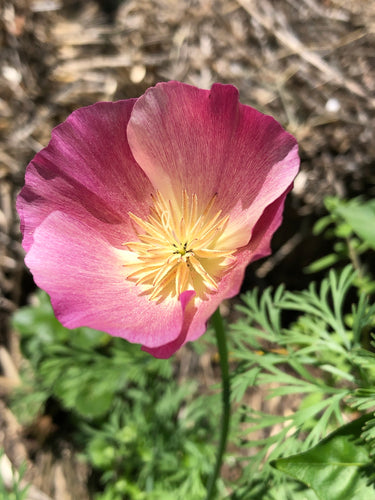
(105,161)
(87,170)
(84,275)
(189,310)
(207,142)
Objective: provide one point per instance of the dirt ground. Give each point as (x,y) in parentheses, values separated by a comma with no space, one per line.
(309,63)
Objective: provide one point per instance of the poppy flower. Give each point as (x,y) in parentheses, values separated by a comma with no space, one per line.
(140,216)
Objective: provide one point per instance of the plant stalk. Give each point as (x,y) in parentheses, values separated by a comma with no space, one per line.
(218,324)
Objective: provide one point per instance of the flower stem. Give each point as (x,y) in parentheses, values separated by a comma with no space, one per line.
(217,322)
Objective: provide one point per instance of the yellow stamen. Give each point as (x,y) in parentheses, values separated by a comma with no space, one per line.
(179,248)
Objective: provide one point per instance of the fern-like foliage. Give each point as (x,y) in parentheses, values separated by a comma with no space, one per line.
(298,348)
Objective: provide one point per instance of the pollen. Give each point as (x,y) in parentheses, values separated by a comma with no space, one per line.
(179,248)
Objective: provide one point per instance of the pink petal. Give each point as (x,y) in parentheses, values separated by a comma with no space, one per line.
(207,142)
(84,275)
(167,350)
(87,170)
(79,190)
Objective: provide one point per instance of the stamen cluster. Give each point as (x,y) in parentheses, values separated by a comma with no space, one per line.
(180,248)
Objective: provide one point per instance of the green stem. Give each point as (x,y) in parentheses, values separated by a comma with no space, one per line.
(354,258)
(217,322)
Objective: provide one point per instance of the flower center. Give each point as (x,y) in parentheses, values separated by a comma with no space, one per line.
(179,248)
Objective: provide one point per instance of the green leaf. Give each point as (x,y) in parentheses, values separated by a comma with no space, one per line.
(338,468)
(361,217)
(322,224)
(323,263)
